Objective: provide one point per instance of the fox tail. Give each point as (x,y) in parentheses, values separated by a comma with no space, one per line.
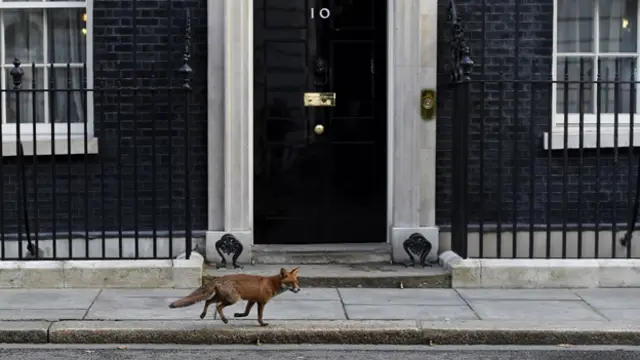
(200,294)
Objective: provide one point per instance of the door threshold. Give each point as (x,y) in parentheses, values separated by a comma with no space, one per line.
(358,253)
(321,247)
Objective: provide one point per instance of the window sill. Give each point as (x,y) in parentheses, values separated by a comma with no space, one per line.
(590,141)
(43,146)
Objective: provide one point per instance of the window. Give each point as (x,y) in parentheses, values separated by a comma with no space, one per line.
(596,38)
(55,35)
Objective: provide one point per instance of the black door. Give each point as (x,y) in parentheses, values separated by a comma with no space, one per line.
(320,172)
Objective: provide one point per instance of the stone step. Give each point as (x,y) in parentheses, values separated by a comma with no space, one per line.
(370,275)
(322,254)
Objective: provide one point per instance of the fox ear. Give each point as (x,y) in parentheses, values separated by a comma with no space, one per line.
(295,271)
(283,273)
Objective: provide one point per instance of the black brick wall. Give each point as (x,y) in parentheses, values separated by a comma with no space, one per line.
(113,52)
(494,51)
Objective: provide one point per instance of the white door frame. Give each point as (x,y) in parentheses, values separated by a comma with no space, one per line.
(411,65)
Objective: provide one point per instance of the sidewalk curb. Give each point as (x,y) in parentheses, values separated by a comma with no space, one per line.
(24,332)
(400,332)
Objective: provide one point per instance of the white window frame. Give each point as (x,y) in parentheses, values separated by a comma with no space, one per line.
(43,134)
(590,131)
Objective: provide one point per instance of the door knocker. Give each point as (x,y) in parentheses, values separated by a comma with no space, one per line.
(320,72)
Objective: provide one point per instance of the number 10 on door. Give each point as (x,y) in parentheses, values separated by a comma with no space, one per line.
(324,13)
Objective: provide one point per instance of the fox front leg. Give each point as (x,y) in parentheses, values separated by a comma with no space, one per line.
(260,311)
(246,310)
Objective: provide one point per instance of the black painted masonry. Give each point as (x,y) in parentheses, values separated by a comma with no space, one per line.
(113,51)
(495,50)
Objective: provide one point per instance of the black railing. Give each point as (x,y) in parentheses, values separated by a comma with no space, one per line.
(543,167)
(64,197)
(459,72)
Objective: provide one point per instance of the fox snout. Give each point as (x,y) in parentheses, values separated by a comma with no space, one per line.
(295,290)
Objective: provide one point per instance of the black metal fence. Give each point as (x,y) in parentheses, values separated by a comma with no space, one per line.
(96,172)
(543,167)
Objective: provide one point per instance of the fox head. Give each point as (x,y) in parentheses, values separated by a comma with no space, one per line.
(289,280)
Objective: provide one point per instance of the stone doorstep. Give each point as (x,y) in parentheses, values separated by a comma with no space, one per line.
(372,275)
(401,332)
(541,273)
(179,273)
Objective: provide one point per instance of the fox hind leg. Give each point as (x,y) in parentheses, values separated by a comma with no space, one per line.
(213,300)
(226,299)
(221,306)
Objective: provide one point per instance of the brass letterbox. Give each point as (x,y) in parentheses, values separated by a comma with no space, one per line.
(320,99)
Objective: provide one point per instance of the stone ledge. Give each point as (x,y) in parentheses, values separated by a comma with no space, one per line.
(179,273)
(400,332)
(540,273)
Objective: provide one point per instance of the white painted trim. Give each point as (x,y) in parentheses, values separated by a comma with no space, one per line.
(60,130)
(238,112)
(228,78)
(589,120)
(608,245)
(44,5)
(390,112)
(590,139)
(233,171)
(61,145)
(554,66)
(250,113)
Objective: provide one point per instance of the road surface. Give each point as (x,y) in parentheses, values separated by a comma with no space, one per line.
(311,352)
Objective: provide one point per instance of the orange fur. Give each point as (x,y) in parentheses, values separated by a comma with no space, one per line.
(227,290)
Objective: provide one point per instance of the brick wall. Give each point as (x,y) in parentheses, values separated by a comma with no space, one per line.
(498,49)
(113,52)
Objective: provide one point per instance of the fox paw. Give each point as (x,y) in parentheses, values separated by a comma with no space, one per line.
(225,321)
(203,315)
(239,315)
(264,324)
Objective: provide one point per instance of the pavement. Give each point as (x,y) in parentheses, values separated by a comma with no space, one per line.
(315,352)
(328,315)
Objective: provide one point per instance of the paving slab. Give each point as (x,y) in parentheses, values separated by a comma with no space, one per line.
(525,310)
(144,293)
(43,314)
(143,304)
(517,294)
(621,314)
(310,294)
(614,298)
(279,309)
(404,312)
(400,297)
(22,299)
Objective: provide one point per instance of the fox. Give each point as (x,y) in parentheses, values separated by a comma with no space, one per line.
(228,289)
